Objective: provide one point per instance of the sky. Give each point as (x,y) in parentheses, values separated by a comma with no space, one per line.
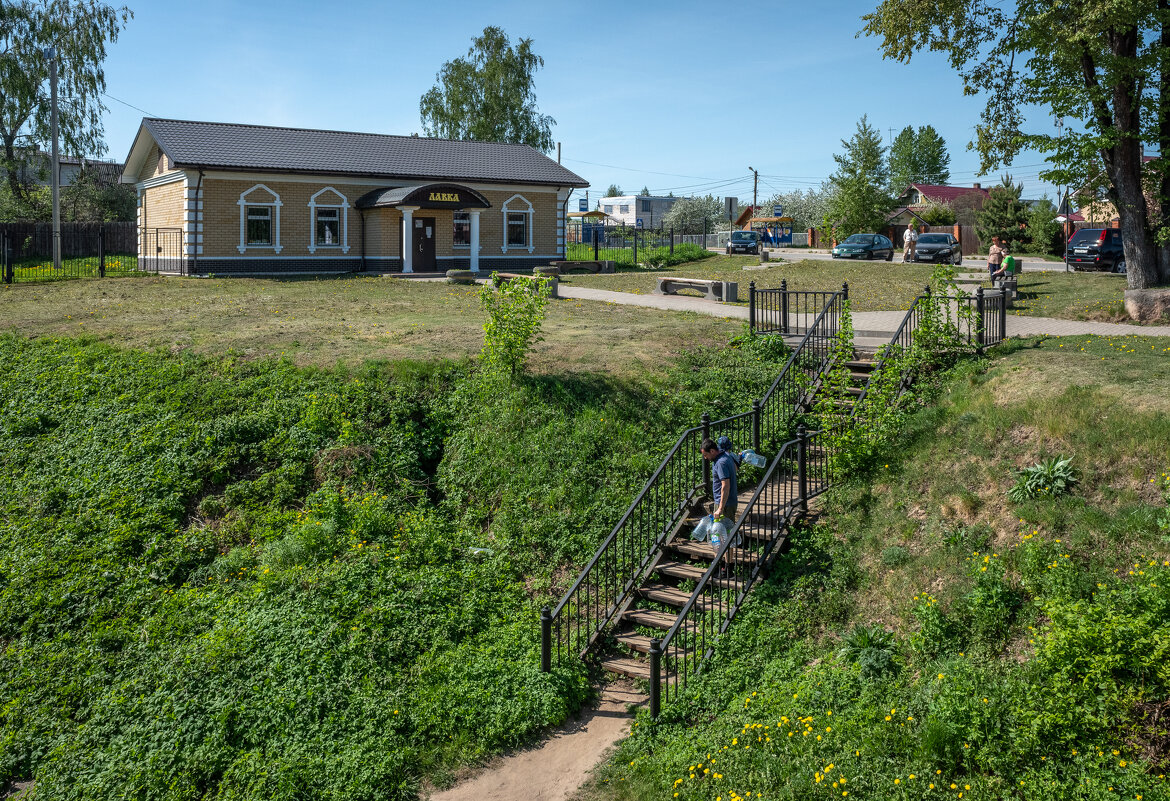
(678,97)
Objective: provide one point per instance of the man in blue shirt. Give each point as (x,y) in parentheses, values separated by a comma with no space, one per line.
(723,481)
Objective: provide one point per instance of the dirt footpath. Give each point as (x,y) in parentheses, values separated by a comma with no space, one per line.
(554,769)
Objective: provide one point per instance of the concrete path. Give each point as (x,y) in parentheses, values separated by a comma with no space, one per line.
(555,769)
(969,262)
(869,324)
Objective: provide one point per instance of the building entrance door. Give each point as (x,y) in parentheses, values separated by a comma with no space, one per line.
(424,244)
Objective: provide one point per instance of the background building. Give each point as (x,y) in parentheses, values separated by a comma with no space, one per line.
(627,209)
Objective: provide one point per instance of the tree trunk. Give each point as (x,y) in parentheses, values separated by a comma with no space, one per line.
(1124,164)
(14,184)
(1163,167)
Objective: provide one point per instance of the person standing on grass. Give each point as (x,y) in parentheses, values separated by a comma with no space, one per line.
(723,482)
(995,256)
(909,243)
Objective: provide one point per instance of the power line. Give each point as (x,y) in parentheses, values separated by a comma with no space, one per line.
(648,172)
(131,105)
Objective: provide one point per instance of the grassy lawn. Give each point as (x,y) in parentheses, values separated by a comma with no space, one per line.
(348,321)
(1072,296)
(873,286)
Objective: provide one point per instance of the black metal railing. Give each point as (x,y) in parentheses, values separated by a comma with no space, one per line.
(784,311)
(985,320)
(798,473)
(606,585)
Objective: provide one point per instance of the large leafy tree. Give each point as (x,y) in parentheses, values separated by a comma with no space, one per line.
(79,31)
(859,201)
(488,95)
(918,157)
(613,191)
(1104,64)
(1003,215)
(694,215)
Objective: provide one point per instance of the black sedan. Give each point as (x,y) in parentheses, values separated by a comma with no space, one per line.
(865,246)
(938,248)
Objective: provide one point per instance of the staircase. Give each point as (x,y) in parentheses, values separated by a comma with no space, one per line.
(652,602)
(674,584)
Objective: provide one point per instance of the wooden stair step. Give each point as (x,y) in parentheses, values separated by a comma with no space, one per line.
(861,365)
(641,644)
(703,551)
(634,668)
(855,390)
(650,618)
(688,572)
(671,596)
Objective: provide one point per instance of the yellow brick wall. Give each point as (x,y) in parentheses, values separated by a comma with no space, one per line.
(152,164)
(164,206)
(221,221)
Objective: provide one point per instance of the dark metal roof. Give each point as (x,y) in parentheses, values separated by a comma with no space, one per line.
(258,147)
(417,194)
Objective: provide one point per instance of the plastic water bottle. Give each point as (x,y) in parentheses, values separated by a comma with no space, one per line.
(753,458)
(701,530)
(717,532)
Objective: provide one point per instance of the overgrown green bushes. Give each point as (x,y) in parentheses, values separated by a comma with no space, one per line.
(229,579)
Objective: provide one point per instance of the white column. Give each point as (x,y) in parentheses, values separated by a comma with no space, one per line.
(408,238)
(474,214)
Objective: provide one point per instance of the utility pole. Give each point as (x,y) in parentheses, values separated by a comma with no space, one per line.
(755,186)
(51,55)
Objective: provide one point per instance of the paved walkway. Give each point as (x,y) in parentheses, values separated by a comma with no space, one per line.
(868,324)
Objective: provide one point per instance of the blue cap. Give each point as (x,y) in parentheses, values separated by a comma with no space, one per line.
(723,443)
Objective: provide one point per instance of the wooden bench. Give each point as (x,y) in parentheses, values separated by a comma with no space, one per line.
(552,279)
(724,291)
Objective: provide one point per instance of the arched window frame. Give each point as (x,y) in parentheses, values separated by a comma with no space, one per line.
(526,209)
(275,203)
(343,205)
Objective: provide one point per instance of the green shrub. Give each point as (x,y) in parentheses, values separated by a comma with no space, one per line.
(662,257)
(895,555)
(1053,476)
(991,604)
(936,634)
(872,648)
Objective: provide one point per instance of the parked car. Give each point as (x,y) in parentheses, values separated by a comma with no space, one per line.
(865,246)
(1095,249)
(938,248)
(744,242)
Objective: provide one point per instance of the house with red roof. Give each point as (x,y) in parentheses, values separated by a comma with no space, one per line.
(916,196)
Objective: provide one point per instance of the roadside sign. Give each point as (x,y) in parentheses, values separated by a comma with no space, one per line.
(732,203)
(639,223)
(777,210)
(583,204)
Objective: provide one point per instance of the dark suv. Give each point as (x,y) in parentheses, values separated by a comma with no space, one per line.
(1095,249)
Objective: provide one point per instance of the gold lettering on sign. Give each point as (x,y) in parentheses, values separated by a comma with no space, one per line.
(444,197)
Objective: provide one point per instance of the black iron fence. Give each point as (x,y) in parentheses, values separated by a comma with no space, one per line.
(624,245)
(88,250)
(606,585)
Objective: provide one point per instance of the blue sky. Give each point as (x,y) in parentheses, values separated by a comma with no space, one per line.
(680,96)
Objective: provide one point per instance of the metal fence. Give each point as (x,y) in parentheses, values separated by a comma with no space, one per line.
(621,244)
(88,250)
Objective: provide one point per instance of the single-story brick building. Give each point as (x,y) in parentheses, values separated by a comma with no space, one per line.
(251,199)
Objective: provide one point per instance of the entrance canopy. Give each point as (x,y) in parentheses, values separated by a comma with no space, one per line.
(424,196)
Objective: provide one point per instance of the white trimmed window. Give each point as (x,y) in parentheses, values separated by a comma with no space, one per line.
(461,235)
(329,220)
(517,213)
(624,208)
(259,219)
(609,209)
(259,229)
